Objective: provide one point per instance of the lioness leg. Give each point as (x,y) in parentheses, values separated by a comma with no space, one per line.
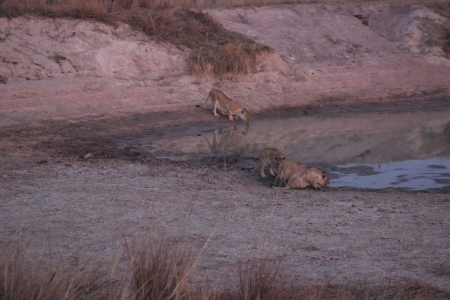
(230,116)
(216,104)
(286,187)
(297,183)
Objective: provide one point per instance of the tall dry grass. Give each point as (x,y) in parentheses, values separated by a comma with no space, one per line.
(259,279)
(164,270)
(159,271)
(23,278)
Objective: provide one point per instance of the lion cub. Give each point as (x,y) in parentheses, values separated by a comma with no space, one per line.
(298,176)
(270,157)
(226,106)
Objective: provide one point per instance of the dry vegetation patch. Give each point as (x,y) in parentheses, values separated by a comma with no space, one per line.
(23,276)
(161,269)
(214,50)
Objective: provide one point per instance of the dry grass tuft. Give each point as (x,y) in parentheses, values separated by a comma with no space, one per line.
(444,269)
(260,279)
(446,46)
(79,9)
(163,271)
(234,54)
(214,49)
(158,270)
(23,279)
(407,291)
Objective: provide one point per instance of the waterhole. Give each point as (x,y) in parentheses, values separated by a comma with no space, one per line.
(365,150)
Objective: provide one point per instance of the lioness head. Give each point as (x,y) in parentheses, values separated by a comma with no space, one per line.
(323,182)
(243,114)
(326,180)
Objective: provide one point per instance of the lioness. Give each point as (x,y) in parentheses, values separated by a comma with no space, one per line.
(226,106)
(270,157)
(298,176)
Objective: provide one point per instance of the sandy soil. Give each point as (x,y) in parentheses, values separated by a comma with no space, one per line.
(115,84)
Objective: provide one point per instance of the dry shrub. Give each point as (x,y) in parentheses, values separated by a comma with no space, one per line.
(159,271)
(223,59)
(446,46)
(258,279)
(22,278)
(213,49)
(79,9)
(436,35)
(444,269)
(94,9)
(222,52)
(407,291)
(441,7)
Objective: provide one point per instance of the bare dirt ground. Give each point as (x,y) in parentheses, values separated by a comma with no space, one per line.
(75,87)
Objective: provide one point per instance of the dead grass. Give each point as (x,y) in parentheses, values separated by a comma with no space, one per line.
(22,278)
(57,58)
(444,269)
(162,270)
(158,270)
(436,35)
(213,49)
(259,279)
(442,7)
(232,53)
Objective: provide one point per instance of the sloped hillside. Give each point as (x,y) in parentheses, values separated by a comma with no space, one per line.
(323,54)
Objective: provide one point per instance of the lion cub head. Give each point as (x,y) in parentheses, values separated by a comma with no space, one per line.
(270,157)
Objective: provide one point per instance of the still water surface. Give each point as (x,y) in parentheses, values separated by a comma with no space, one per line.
(413,174)
(365,150)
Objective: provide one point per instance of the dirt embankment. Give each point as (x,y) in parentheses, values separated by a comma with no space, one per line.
(74,79)
(323,53)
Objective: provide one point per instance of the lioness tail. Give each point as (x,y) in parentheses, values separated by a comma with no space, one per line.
(207,98)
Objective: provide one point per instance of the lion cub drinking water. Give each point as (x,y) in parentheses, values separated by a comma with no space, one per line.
(270,157)
(298,176)
(226,106)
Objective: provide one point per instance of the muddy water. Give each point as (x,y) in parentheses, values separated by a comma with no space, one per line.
(376,150)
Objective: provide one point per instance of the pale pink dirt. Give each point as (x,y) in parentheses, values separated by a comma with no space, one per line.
(113,83)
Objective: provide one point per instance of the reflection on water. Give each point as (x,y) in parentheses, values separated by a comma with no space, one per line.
(418,174)
(362,150)
(228,138)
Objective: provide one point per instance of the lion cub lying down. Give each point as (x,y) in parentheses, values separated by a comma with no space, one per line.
(226,106)
(270,157)
(298,176)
